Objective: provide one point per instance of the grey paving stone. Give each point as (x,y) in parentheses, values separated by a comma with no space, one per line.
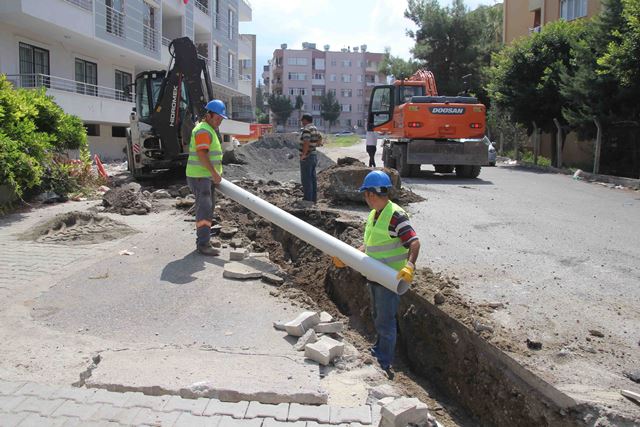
(360,414)
(7,403)
(262,410)
(144,401)
(43,407)
(111,413)
(315,424)
(186,419)
(69,408)
(320,413)
(41,390)
(100,424)
(270,422)
(233,422)
(109,397)
(195,406)
(9,387)
(146,416)
(76,394)
(232,409)
(12,420)
(37,420)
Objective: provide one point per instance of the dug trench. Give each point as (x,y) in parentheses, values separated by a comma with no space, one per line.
(444,357)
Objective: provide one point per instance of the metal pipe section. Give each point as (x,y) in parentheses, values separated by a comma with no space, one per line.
(372,269)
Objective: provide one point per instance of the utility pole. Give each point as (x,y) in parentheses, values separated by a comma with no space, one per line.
(596,154)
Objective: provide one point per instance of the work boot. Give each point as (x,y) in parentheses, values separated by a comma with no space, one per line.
(389,372)
(208,250)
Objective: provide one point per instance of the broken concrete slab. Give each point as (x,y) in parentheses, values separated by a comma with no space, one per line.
(404,411)
(161,194)
(325,317)
(228,232)
(229,377)
(383,391)
(309,337)
(236,270)
(259,255)
(329,328)
(301,324)
(324,351)
(279,325)
(238,254)
(272,279)
(236,243)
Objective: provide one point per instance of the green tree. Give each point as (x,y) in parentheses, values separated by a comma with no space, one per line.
(299,105)
(397,67)
(281,108)
(329,108)
(262,115)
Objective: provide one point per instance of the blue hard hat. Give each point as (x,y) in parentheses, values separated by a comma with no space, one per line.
(376,180)
(217,106)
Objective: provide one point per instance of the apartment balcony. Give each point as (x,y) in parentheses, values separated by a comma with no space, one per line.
(318,82)
(245,48)
(202,17)
(90,102)
(245,84)
(71,17)
(84,4)
(244,11)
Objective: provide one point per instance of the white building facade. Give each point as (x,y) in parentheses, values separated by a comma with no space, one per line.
(85,52)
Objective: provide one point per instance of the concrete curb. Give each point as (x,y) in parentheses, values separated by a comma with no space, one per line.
(609,179)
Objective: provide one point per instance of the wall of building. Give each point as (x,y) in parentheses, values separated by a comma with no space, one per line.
(110,149)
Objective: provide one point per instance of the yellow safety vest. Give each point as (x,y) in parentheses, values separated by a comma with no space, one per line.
(379,244)
(194,167)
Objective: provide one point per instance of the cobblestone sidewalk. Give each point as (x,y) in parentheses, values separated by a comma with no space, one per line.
(31,404)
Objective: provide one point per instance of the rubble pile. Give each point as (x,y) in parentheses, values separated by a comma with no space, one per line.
(128,199)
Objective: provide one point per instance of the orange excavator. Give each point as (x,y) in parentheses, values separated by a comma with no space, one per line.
(419,127)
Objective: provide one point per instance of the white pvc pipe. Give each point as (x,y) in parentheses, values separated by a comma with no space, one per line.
(371,268)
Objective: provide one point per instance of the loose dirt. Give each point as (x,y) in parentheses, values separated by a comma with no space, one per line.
(78,228)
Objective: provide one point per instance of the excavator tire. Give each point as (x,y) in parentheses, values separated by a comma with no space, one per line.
(404,168)
(443,168)
(468,171)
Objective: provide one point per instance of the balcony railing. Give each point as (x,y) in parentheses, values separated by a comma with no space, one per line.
(150,38)
(67,85)
(115,22)
(245,77)
(166,41)
(84,4)
(203,5)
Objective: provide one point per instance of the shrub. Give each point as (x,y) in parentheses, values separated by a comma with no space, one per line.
(34,131)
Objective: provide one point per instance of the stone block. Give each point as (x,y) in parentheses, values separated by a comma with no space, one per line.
(238,254)
(359,414)
(9,387)
(259,255)
(263,410)
(7,403)
(272,279)
(124,416)
(11,420)
(77,394)
(228,232)
(186,419)
(325,317)
(301,324)
(324,351)
(403,411)
(236,243)
(236,270)
(195,406)
(279,325)
(270,422)
(298,412)
(329,328)
(232,422)
(140,400)
(40,390)
(146,416)
(108,397)
(231,409)
(309,337)
(69,408)
(37,420)
(43,407)
(383,390)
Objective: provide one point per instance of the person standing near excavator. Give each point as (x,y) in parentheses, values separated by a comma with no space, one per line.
(310,138)
(204,171)
(389,238)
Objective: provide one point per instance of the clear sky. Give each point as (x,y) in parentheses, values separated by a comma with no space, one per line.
(338,23)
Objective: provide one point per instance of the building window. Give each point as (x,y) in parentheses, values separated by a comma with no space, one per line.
(86,77)
(360,91)
(231,24)
(346,63)
(346,78)
(92,129)
(316,107)
(332,77)
(118,131)
(34,66)
(297,76)
(317,92)
(348,123)
(115,17)
(573,9)
(297,61)
(360,78)
(361,108)
(346,93)
(333,63)
(123,82)
(345,108)
(360,123)
(149,34)
(297,91)
(216,14)
(215,53)
(318,64)
(318,76)
(292,121)
(332,92)
(231,75)
(318,121)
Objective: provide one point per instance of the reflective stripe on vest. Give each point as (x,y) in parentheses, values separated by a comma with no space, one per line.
(194,166)
(379,244)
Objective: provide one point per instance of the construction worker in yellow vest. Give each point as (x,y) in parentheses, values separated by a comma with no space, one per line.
(389,238)
(204,171)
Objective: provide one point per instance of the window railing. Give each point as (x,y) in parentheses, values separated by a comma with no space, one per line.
(203,5)
(216,69)
(166,41)
(150,38)
(84,4)
(115,22)
(67,85)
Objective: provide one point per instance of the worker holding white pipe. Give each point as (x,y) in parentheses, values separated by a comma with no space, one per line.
(389,238)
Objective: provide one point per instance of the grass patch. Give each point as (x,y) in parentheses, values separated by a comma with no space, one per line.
(342,140)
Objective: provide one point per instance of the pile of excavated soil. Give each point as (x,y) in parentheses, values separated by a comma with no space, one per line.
(272,157)
(79,228)
(127,200)
(340,183)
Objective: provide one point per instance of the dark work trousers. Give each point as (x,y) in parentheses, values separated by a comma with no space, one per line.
(384,307)
(308,177)
(371,149)
(204,191)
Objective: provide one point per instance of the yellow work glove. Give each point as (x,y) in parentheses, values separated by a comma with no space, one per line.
(406,273)
(338,262)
